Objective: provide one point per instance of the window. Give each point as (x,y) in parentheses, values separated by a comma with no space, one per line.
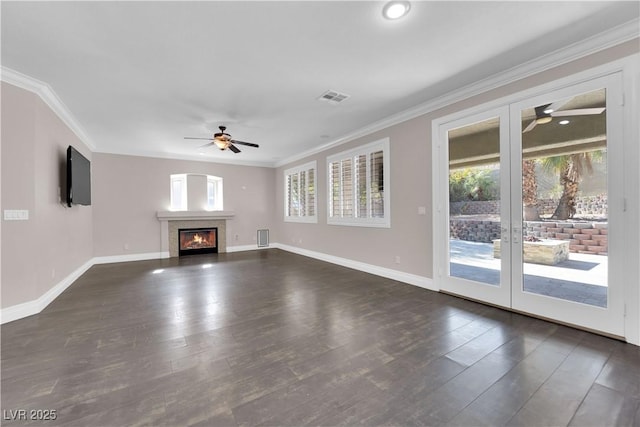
(300,193)
(214,193)
(178,192)
(205,192)
(357,180)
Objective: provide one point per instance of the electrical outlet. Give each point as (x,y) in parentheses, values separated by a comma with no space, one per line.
(397,259)
(126,246)
(237,237)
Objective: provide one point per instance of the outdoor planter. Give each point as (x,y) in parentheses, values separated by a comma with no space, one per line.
(548,252)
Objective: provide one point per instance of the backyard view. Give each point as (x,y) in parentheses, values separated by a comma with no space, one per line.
(564,204)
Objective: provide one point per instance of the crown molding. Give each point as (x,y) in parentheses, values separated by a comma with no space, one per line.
(193,158)
(607,39)
(49,97)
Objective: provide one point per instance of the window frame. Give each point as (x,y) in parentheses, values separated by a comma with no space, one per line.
(352,154)
(299,171)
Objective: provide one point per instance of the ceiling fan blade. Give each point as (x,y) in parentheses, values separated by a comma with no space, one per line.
(249,144)
(208,144)
(193,137)
(578,112)
(530,127)
(557,105)
(233,148)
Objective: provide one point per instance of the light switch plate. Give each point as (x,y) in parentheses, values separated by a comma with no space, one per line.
(16,214)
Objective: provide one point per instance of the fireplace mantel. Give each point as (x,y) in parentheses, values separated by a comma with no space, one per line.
(172,221)
(193,215)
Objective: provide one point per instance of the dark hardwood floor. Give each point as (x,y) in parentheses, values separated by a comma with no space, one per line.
(272,338)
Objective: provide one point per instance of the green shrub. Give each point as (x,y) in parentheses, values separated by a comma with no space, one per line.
(472,184)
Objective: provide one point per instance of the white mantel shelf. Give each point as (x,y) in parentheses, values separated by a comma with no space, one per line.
(193,215)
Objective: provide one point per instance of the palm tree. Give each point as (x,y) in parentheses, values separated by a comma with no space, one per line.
(530,191)
(571,167)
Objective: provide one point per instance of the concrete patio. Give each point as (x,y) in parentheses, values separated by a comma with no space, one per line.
(582,278)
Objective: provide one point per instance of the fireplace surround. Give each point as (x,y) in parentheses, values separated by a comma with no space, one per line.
(172,221)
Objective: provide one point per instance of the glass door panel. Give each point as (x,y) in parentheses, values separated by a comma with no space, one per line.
(563,238)
(474,263)
(474,202)
(564,196)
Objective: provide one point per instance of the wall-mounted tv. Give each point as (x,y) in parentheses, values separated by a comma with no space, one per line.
(78,178)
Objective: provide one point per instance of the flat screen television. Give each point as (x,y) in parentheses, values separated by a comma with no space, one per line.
(78,178)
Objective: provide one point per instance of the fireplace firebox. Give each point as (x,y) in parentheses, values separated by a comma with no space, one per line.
(194,241)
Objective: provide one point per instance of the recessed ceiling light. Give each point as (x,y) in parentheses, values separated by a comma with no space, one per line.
(564,122)
(396,9)
(549,111)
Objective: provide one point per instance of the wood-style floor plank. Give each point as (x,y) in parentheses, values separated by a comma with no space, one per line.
(275,339)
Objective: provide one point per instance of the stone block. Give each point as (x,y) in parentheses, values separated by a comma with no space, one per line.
(590,231)
(548,252)
(583,225)
(577,248)
(564,236)
(581,236)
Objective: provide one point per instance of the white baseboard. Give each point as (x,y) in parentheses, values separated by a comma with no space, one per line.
(30,308)
(400,276)
(242,248)
(129,257)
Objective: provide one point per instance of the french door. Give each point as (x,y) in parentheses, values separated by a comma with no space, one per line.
(525,217)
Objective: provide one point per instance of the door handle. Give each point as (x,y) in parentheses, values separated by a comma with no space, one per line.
(505,234)
(516,234)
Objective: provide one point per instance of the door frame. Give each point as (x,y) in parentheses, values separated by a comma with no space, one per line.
(496,295)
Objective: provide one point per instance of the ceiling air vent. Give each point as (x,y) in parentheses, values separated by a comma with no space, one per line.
(333,97)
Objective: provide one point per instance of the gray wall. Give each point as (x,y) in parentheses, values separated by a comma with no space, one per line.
(129,190)
(56,240)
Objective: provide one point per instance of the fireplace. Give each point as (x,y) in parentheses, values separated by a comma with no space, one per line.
(194,241)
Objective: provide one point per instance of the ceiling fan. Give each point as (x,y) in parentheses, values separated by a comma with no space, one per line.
(223,140)
(545,113)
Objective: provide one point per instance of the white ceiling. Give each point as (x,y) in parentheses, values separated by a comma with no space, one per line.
(139,76)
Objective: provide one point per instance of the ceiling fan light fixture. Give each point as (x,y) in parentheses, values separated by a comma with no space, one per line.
(396,9)
(543,120)
(221,144)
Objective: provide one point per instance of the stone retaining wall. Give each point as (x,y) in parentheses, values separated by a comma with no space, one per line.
(474,230)
(585,205)
(583,237)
